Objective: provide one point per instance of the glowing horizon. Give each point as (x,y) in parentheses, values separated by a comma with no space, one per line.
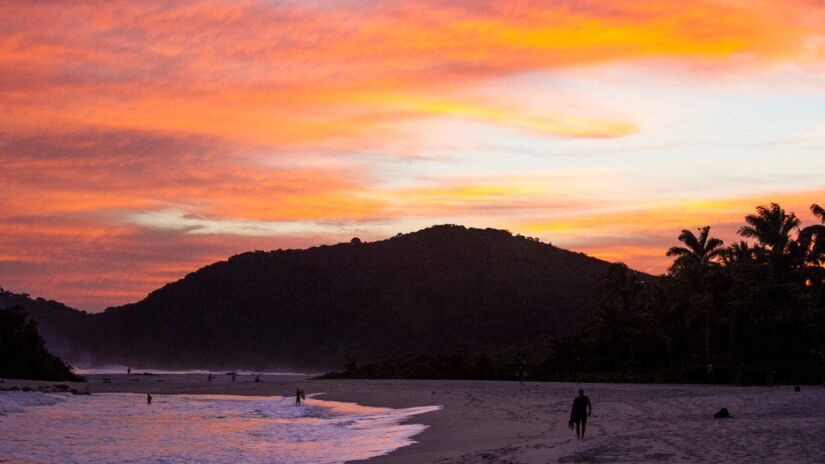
(140,140)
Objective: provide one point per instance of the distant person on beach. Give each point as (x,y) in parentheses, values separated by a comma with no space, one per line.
(257,379)
(128,370)
(209,377)
(299,395)
(148,399)
(579,414)
(233,375)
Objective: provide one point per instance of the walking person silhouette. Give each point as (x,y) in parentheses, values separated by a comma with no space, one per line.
(579,413)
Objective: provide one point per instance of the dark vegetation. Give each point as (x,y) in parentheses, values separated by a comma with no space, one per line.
(443,289)
(452,302)
(22,354)
(57,323)
(749,313)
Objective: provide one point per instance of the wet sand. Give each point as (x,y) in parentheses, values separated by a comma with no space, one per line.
(504,422)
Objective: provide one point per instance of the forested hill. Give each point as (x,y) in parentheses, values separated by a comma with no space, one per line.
(22,354)
(442,289)
(58,324)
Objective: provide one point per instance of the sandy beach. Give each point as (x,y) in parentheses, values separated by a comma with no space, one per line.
(509,422)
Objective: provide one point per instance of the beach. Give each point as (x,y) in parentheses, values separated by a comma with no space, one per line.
(500,422)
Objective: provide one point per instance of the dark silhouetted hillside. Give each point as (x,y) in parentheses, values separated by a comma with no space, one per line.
(58,324)
(443,289)
(22,354)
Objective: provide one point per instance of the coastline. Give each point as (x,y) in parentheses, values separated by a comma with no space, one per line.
(494,421)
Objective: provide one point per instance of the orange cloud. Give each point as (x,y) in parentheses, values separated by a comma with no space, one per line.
(215,109)
(639,235)
(93,262)
(107,171)
(293,73)
(565,125)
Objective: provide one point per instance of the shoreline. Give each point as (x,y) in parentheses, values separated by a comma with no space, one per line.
(504,421)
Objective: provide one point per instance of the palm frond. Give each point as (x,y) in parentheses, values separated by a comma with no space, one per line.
(818,212)
(678,251)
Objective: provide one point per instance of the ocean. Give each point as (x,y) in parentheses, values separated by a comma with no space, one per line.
(122,428)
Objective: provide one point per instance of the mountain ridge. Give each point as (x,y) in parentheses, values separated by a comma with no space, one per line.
(443,288)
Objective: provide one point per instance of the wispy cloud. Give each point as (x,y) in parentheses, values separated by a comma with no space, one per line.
(139,140)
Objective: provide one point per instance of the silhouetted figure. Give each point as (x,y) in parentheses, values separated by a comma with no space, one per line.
(257,379)
(579,413)
(299,395)
(209,377)
(128,370)
(233,375)
(148,399)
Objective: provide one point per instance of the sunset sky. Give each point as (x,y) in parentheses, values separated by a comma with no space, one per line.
(142,140)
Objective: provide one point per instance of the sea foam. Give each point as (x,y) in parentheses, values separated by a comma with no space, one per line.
(18,401)
(121,427)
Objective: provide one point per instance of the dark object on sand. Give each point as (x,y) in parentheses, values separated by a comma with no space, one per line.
(797,388)
(722,414)
(148,399)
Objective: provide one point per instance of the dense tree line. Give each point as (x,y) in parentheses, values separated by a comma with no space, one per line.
(750,312)
(22,352)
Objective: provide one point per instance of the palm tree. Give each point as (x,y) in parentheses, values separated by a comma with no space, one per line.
(771,227)
(818,212)
(694,262)
(698,254)
(738,253)
(617,296)
(813,238)
(819,229)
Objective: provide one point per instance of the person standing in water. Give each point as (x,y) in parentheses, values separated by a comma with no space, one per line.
(148,398)
(579,414)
